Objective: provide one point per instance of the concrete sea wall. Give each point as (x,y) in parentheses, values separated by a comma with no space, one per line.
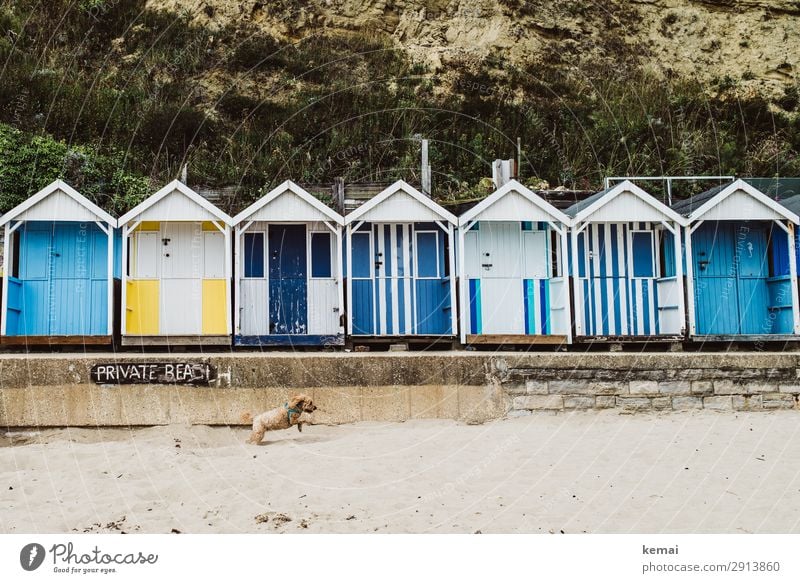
(57,390)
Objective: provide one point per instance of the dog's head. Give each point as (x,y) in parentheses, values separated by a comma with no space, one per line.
(303,402)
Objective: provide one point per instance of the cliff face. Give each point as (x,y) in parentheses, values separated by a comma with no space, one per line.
(755,43)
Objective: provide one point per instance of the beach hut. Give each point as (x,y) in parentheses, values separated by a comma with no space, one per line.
(512,250)
(401,266)
(288,271)
(176,277)
(741,267)
(626,274)
(58,285)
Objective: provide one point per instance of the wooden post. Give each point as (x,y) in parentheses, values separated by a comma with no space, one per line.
(426,170)
(237,277)
(463,284)
(228,276)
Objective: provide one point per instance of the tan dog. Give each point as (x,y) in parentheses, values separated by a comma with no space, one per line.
(282,417)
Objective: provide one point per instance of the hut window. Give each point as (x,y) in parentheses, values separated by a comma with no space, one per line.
(427,254)
(555,248)
(321,255)
(15,255)
(642,253)
(666,254)
(778,250)
(254,254)
(361,256)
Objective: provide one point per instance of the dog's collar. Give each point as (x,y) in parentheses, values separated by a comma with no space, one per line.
(290,410)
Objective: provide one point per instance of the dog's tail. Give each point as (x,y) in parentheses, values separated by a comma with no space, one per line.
(246,418)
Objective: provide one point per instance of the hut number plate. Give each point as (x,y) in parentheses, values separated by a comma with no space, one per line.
(154,373)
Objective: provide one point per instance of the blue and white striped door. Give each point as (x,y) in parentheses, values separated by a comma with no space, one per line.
(617,280)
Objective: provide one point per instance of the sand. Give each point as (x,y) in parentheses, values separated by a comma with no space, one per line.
(583,472)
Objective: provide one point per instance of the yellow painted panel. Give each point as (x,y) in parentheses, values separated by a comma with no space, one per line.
(215,306)
(142,308)
(209,226)
(148,226)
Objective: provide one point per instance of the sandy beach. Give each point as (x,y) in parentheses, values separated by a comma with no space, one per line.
(584,472)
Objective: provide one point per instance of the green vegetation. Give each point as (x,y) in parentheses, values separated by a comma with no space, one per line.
(116,98)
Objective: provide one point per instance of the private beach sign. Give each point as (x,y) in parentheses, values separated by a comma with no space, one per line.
(154,373)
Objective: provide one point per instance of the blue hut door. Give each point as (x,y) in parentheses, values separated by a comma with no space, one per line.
(288,280)
(63,270)
(730,265)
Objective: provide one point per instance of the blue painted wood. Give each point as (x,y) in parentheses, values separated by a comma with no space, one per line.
(62,286)
(288,290)
(433,306)
(290,340)
(362,306)
(642,248)
(732,293)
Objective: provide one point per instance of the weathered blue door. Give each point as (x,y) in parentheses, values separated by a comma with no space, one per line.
(288,289)
(63,275)
(731,270)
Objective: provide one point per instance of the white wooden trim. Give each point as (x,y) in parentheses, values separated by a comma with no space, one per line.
(6,268)
(679,275)
(238,233)
(340,279)
(349,279)
(166,191)
(690,282)
(289,186)
(463,282)
(451,252)
(228,275)
(401,186)
(753,192)
(124,281)
(66,189)
(110,279)
(793,279)
(627,186)
(514,186)
(575,283)
(565,276)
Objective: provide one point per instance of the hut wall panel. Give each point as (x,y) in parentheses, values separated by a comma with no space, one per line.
(323,295)
(14,305)
(61,205)
(254,320)
(35,304)
(668,293)
(502,302)
(183,255)
(628,205)
(287,208)
(754,306)
(362,308)
(433,303)
(740,206)
(215,317)
(400,205)
(559,296)
(512,207)
(142,313)
(780,305)
(181,306)
(176,207)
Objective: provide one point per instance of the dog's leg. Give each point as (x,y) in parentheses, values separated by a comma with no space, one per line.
(300,427)
(256,436)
